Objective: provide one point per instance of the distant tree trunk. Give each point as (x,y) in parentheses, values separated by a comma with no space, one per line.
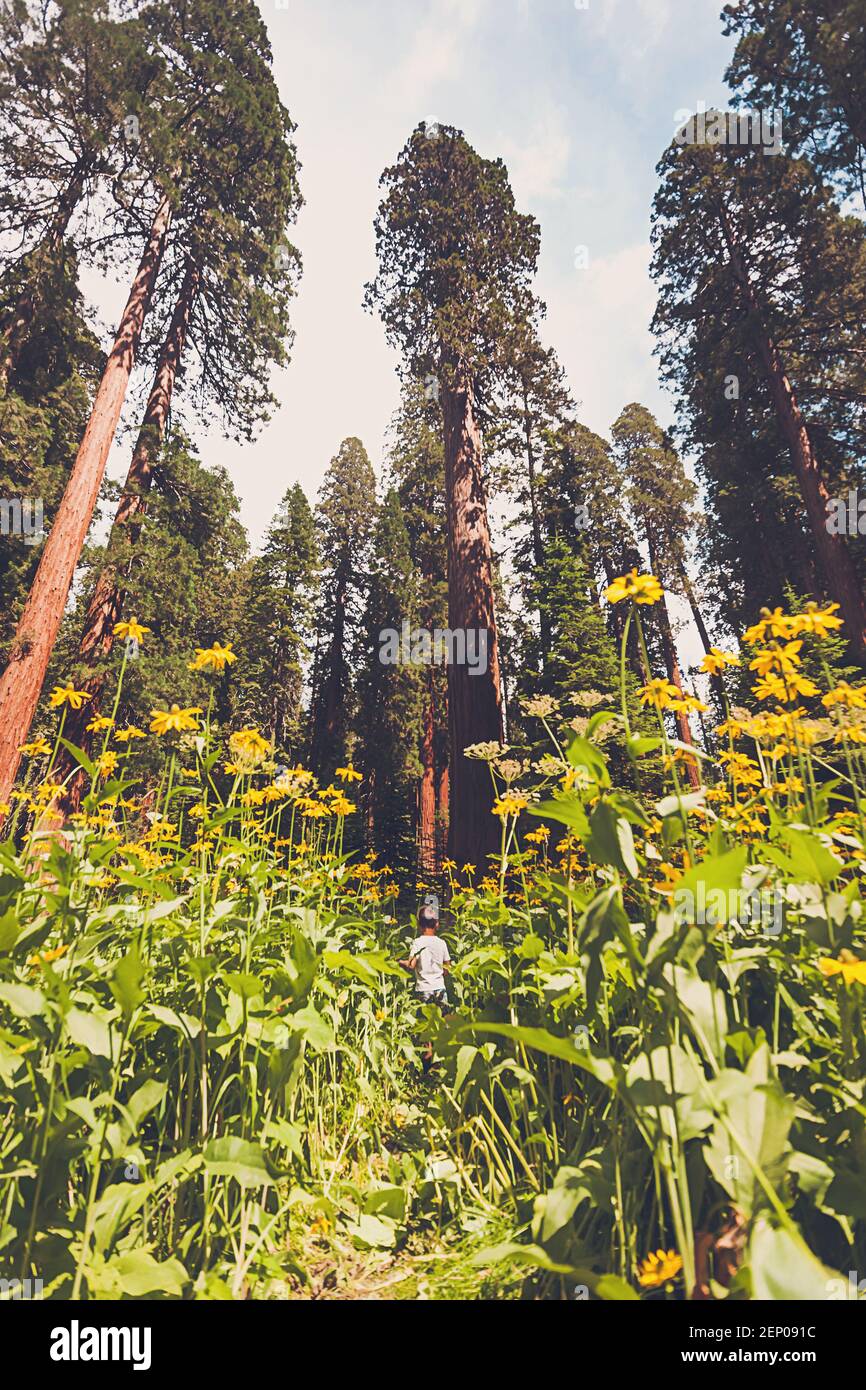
(835,558)
(537,542)
(106,602)
(427,783)
(672,666)
(17,325)
(329,699)
(474,701)
(21,683)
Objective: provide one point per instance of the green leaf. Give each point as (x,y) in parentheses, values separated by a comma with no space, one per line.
(22,1000)
(140,1274)
(231,1157)
(90,1031)
(783,1269)
(373,1233)
(126,981)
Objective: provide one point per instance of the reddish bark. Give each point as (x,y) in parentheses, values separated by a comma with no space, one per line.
(106,602)
(474,700)
(21,683)
(427,785)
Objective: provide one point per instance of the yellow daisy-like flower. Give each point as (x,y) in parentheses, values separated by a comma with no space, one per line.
(510,805)
(819,622)
(776,659)
(659,1268)
(716,660)
(131,631)
(852,970)
(689,703)
(659,693)
(643,588)
(775,624)
(106,763)
(39,748)
(213,658)
(125,735)
(98,723)
(46,957)
(348,774)
(67,695)
(844,694)
(174,720)
(250,742)
(853,733)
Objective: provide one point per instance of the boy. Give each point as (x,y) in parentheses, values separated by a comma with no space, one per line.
(429,959)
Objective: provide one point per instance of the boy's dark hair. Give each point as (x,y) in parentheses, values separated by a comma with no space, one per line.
(427,917)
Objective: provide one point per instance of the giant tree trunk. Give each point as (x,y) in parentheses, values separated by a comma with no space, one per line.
(17,325)
(841,577)
(37,630)
(474,701)
(537,542)
(106,601)
(329,700)
(427,785)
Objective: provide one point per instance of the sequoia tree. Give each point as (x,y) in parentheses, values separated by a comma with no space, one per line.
(455,263)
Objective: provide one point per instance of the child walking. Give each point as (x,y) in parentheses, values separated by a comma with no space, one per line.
(430,960)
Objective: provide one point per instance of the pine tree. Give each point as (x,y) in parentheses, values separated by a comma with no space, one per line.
(277,626)
(390,694)
(345,517)
(760,274)
(455,261)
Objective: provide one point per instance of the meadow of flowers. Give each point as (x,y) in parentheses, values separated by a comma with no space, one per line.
(651,1082)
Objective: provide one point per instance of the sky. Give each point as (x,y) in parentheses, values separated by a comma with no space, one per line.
(579,99)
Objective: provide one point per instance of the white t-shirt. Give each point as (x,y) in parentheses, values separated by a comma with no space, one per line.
(431,953)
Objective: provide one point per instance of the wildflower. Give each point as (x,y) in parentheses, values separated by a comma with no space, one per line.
(588,699)
(348,774)
(213,658)
(659,1268)
(643,588)
(67,695)
(845,694)
(106,764)
(659,693)
(47,956)
(688,703)
(98,723)
(774,624)
(539,836)
(542,706)
(486,752)
(509,769)
(249,742)
(131,631)
(341,806)
(716,660)
(776,659)
(510,805)
(174,719)
(125,735)
(820,622)
(39,748)
(852,733)
(852,970)
(770,687)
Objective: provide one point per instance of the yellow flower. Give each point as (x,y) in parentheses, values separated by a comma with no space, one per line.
(716,660)
(213,658)
(131,631)
(510,805)
(854,733)
(688,703)
(777,659)
(852,970)
(774,624)
(845,694)
(98,723)
(124,735)
(174,719)
(659,693)
(39,748)
(67,695)
(249,742)
(48,956)
(817,621)
(659,1268)
(348,774)
(106,764)
(643,588)
(770,687)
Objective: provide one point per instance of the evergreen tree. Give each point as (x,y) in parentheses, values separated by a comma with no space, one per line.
(345,517)
(455,261)
(390,694)
(277,626)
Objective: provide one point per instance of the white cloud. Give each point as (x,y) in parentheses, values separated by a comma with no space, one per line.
(538,164)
